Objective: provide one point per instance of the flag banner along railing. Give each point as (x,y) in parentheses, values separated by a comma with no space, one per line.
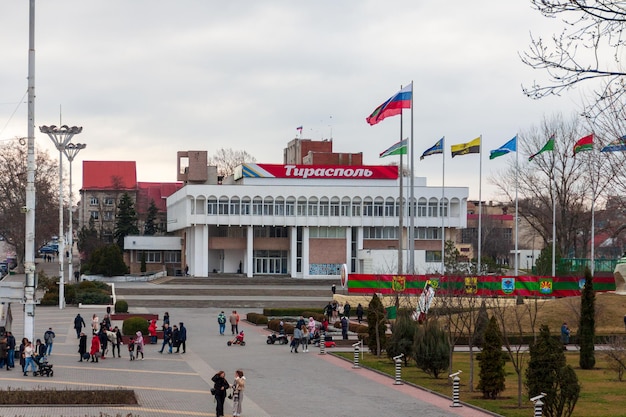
(435,149)
(399,148)
(473,285)
(510,146)
(583,144)
(549,146)
(472,146)
(618,145)
(393,106)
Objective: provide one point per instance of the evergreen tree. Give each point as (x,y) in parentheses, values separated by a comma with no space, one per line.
(125,220)
(432,348)
(150,227)
(88,239)
(587,326)
(491,362)
(548,372)
(377,326)
(107,261)
(543,265)
(482,321)
(402,336)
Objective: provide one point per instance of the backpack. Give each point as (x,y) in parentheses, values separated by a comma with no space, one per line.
(221,319)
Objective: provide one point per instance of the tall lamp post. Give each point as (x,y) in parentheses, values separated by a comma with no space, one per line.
(70,151)
(61,137)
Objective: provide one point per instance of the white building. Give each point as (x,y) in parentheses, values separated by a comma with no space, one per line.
(306,220)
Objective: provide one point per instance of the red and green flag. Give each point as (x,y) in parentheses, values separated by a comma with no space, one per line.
(584,144)
(549,146)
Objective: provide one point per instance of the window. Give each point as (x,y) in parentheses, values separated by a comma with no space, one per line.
(324,207)
(301,207)
(257,206)
(334,207)
(93,201)
(245,206)
(108,215)
(387,233)
(269,231)
(368,208)
(327,232)
(356,207)
(378,207)
(345,207)
(223,205)
(290,207)
(390,206)
(279,207)
(268,207)
(234,206)
(152,257)
(443,208)
(312,207)
(433,256)
(109,201)
(427,233)
(421,208)
(211,206)
(94,215)
(433,207)
(172,256)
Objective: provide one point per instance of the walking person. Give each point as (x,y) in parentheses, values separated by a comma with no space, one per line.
(22,357)
(234,322)
(297,335)
(4,353)
(48,338)
(346,309)
(104,342)
(565,332)
(11,349)
(166,319)
(29,360)
(79,323)
(221,320)
(359,313)
(238,388)
(182,338)
(82,346)
(139,344)
(167,338)
(94,352)
(344,328)
(304,340)
(152,331)
(131,348)
(118,341)
(175,337)
(220,386)
(112,338)
(95,323)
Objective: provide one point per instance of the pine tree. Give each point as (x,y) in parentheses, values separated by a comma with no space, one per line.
(150,227)
(107,261)
(125,220)
(432,349)
(88,239)
(548,372)
(587,326)
(491,362)
(377,326)
(402,336)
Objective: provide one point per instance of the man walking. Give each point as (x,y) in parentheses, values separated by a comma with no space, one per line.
(221,320)
(167,338)
(79,323)
(182,338)
(234,322)
(48,338)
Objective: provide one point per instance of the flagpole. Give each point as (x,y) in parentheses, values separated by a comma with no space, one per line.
(412,198)
(401,211)
(480,204)
(516,205)
(593,231)
(443,195)
(553,227)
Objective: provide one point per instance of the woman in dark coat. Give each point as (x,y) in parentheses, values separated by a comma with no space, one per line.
(22,358)
(220,385)
(82,345)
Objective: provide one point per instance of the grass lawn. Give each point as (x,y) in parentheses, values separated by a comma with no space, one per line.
(602,395)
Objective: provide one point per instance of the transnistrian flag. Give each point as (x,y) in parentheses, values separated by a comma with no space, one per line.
(396,149)
(299,128)
(510,146)
(393,106)
(549,146)
(472,146)
(618,145)
(584,144)
(435,149)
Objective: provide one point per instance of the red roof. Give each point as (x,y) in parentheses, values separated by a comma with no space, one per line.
(109,175)
(157,191)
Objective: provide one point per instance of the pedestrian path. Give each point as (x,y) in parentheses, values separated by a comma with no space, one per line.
(279,383)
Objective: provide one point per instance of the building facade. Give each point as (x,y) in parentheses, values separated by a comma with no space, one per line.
(307,220)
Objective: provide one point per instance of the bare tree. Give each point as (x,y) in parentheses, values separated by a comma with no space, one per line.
(226,160)
(588,48)
(13,191)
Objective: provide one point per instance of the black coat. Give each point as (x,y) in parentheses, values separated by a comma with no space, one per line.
(82,344)
(220,385)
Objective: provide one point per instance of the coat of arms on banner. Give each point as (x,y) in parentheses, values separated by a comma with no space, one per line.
(398,283)
(471,285)
(581,283)
(545,286)
(508,285)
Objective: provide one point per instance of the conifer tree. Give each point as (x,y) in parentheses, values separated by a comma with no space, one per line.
(402,336)
(432,348)
(150,227)
(587,326)
(125,220)
(377,326)
(491,362)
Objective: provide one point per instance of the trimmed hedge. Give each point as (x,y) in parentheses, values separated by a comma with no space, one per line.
(256,318)
(282,312)
(274,325)
(132,325)
(121,306)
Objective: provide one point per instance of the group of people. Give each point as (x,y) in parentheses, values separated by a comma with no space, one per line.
(7,351)
(29,354)
(173,337)
(303,333)
(233,319)
(220,390)
(334,311)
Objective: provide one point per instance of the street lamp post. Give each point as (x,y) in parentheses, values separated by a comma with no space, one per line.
(70,151)
(61,137)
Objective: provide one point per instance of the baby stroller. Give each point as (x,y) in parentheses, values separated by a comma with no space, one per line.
(238,340)
(43,367)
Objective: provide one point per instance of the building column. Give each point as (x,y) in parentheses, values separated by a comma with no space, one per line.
(359,245)
(349,248)
(293,251)
(249,250)
(305,252)
(200,249)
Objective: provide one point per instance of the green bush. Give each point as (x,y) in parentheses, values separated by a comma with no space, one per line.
(50,298)
(92,297)
(134,324)
(256,318)
(121,306)
(317,316)
(291,312)
(46,283)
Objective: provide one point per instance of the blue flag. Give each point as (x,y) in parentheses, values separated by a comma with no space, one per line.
(510,146)
(436,148)
(618,145)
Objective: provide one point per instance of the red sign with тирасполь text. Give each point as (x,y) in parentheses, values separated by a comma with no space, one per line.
(386,172)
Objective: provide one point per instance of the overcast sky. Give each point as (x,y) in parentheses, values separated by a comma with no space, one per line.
(148,78)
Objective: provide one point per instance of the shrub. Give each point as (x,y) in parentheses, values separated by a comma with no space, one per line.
(290,312)
(491,362)
(274,325)
(402,337)
(134,324)
(50,298)
(256,318)
(46,283)
(317,316)
(432,349)
(92,297)
(121,306)
(376,319)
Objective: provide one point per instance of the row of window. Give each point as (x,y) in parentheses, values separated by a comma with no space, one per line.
(376,232)
(108,201)
(106,215)
(324,207)
(157,257)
